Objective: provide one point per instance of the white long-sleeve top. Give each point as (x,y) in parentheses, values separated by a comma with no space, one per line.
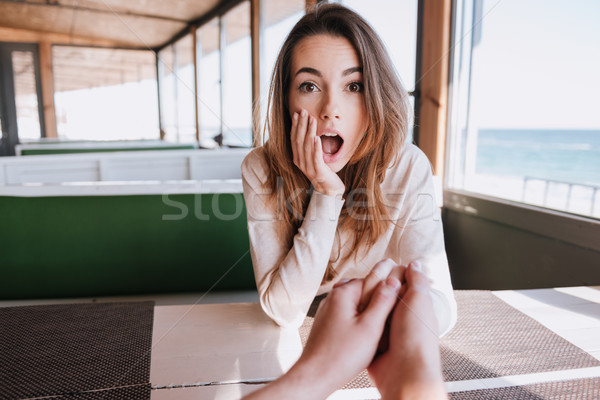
(288,279)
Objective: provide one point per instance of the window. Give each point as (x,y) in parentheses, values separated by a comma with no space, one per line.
(21,111)
(396,24)
(224,75)
(177,91)
(523,118)
(105,94)
(185,90)
(209,82)
(278,17)
(168,93)
(223,65)
(26,97)
(237,77)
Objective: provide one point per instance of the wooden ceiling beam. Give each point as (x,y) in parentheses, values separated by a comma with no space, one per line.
(29,36)
(106,10)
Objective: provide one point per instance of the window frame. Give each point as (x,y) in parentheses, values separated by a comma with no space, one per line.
(218,12)
(255,33)
(8,95)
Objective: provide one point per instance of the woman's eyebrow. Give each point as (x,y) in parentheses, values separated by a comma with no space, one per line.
(318,73)
(309,70)
(352,70)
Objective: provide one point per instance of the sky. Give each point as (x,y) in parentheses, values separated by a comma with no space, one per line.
(537,65)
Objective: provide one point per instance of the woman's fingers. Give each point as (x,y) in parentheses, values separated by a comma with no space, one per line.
(382,302)
(398,272)
(304,132)
(317,153)
(318,162)
(308,155)
(298,145)
(293,134)
(309,146)
(380,272)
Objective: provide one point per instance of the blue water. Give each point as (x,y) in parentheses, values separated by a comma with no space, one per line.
(562,155)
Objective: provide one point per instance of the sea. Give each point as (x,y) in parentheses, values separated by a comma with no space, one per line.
(561,155)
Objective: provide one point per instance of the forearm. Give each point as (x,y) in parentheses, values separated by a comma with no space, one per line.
(435,267)
(289,278)
(444,307)
(289,295)
(425,244)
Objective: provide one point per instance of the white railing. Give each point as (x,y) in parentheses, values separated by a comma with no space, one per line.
(567,196)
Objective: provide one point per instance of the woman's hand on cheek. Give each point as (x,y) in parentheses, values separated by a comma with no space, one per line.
(308,156)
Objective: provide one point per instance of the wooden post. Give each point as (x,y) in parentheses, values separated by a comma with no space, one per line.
(196,83)
(47,83)
(310,4)
(434,81)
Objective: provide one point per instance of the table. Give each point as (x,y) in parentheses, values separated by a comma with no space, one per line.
(225,351)
(216,350)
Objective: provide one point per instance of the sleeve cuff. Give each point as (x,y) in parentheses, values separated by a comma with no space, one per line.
(445,311)
(323,207)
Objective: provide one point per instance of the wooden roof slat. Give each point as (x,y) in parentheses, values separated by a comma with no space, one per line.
(133,23)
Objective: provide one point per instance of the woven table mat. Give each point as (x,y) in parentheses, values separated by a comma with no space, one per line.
(576,389)
(76,351)
(491,339)
(137,392)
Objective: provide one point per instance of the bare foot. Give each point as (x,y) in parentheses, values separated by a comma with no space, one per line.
(410,368)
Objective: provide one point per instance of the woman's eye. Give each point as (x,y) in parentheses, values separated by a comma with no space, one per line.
(308,87)
(355,87)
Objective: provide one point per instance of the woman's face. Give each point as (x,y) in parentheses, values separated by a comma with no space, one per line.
(327,81)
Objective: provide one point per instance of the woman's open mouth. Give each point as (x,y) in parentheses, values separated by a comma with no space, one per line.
(331,143)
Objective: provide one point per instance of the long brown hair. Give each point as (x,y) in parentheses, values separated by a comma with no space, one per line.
(386,102)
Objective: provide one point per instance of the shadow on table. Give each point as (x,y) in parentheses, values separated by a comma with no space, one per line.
(565,301)
(456,367)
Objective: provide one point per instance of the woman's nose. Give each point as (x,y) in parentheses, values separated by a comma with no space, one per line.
(330,107)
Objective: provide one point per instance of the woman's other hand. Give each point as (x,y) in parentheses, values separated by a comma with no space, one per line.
(380,272)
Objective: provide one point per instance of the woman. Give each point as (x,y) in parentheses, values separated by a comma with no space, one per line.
(335,189)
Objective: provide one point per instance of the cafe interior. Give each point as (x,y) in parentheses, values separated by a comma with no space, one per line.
(125,266)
